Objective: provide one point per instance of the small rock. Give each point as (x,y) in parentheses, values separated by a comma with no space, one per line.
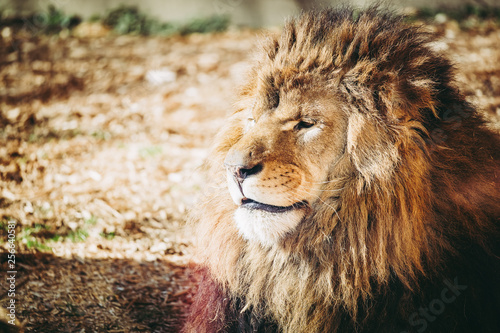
(6,33)
(9,195)
(208,61)
(28,208)
(160,76)
(159,247)
(440,18)
(175,177)
(13,114)
(95,175)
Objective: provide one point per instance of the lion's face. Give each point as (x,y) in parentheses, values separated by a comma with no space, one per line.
(290,140)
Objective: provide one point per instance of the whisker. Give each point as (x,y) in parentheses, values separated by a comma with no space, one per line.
(321,190)
(319,198)
(325,182)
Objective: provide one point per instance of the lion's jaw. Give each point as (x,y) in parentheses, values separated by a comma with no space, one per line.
(265,227)
(260,217)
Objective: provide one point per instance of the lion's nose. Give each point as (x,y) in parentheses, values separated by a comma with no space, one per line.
(240,172)
(242,164)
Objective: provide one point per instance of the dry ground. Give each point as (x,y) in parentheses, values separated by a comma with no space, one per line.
(101,139)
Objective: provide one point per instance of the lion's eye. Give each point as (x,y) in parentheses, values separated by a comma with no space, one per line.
(304,124)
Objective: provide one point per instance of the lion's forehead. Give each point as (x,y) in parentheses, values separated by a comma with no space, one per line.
(299,101)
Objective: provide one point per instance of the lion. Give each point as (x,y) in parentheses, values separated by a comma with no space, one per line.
(362,189)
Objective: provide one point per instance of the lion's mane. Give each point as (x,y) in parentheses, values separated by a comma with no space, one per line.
(415,209)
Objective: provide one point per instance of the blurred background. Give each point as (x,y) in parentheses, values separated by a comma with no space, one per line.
(255,13)
(107,112)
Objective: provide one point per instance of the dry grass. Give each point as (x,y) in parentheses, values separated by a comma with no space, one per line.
(99,158)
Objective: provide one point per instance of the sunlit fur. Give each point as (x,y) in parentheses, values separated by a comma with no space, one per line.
(413,203)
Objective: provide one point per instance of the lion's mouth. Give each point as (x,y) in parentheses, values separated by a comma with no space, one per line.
(252,204)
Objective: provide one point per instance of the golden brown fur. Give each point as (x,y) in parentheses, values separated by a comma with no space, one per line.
(412,201)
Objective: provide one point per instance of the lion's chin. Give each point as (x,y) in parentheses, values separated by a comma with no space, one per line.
(266,227)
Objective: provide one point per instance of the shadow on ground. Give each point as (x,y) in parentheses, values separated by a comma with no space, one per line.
(100,295)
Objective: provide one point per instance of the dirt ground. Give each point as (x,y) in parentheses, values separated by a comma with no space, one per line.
(101,142)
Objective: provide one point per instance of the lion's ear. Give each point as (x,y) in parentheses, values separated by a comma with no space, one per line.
(371,148)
